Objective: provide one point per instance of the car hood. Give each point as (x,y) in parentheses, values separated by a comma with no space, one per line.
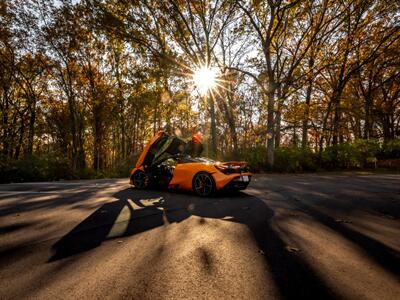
(161,147)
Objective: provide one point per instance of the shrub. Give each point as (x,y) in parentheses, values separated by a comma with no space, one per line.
(349,155)
(391,149)
(294,159)
(124,167)
(365,151)
(256,157)
(87,173)
(35,168)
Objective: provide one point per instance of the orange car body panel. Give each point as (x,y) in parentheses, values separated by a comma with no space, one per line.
(221,179)
(184,174)
(146,149)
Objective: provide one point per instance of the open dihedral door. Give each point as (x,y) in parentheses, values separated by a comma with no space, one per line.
(147,155)
(171,147)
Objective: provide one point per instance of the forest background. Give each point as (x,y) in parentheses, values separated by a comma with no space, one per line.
(301,85)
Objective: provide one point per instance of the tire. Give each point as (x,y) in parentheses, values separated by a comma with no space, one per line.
(140,180)
(203,184)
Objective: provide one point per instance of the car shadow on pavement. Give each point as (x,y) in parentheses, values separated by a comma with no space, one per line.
(137,211)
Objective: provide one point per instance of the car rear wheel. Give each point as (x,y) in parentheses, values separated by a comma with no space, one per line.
(140,179)
(203,184)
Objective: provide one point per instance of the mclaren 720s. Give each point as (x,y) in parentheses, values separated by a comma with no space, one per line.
(170,162)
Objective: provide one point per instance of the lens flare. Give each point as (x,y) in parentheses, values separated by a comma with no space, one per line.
(205,79)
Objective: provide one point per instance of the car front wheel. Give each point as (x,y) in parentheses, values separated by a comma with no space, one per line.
(140,179)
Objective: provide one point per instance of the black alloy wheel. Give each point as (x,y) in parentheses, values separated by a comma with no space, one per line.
(203,184)
(140,179)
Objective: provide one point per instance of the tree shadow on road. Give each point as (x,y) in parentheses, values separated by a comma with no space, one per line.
(350,196)
(383,255)
(137,211)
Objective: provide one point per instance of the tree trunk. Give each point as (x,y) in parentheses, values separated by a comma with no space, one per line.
(97,141)
(336,122)
(32,121)
(368,123)
(123,132)
(20,141)
(81,161)
(5,124)
(337,115)
(282,92)
(270,126)
(155,118)
(294,140)
(73,133)
(228,114)
(213,125)
(324,127)
(304,139)
(278,120)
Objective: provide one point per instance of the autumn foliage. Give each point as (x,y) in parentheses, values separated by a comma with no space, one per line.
(302,85)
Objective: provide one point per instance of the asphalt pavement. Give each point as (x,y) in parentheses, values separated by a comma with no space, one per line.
(285,237)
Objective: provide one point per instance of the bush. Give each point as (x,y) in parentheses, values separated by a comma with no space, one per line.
(365,151)
(124,167)
(35,168)
(294,159)
(391,149)
(87,173)
(51,167)
(255,157)
(287,159)
(355,154)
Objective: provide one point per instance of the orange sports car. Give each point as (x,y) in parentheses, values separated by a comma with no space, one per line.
(168,161)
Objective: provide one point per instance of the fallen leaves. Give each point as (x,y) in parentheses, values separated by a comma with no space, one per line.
(292,249)
(343,221)
(292,214)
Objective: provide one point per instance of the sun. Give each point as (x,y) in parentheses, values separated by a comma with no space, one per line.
(205,79)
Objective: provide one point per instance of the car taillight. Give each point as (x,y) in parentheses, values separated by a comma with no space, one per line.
(222,168)
(228,169)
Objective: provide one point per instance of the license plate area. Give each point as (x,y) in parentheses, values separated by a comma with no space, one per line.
(244,178)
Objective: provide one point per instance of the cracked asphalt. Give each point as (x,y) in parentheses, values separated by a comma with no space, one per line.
(287,236)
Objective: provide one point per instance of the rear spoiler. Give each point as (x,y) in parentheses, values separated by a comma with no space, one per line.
(234,163)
